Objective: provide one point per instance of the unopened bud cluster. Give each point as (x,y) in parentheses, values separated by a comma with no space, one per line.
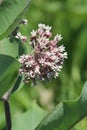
(46,60)
(18,34)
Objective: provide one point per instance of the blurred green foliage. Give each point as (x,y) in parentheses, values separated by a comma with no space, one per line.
(69,18)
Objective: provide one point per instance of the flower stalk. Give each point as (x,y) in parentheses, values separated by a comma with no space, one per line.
(7,115)
(5,99)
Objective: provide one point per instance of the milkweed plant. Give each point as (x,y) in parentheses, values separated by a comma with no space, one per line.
(43,63)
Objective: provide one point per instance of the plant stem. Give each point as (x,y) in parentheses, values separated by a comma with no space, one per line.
(7,115)
(7,109)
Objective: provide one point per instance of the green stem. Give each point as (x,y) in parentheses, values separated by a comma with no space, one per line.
(7,115)
(7,109)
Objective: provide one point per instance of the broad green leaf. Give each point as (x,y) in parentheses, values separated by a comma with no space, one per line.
(14,48)
(66,114)
(30,119)
(9,48)
(11,12)
(8,73)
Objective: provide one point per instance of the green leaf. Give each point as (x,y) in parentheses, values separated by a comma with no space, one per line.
(9,48)
(8,73)
(11,12)
(30,119)
(14,48)
(66,114)
(18,84)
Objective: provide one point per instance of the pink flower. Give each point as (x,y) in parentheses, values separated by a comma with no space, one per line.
(47,59)
(21,37)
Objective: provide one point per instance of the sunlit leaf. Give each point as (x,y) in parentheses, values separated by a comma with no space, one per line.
(30,119)
(11,12)
(66,114)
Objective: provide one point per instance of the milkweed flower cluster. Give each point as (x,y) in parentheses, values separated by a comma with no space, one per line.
(47,58)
